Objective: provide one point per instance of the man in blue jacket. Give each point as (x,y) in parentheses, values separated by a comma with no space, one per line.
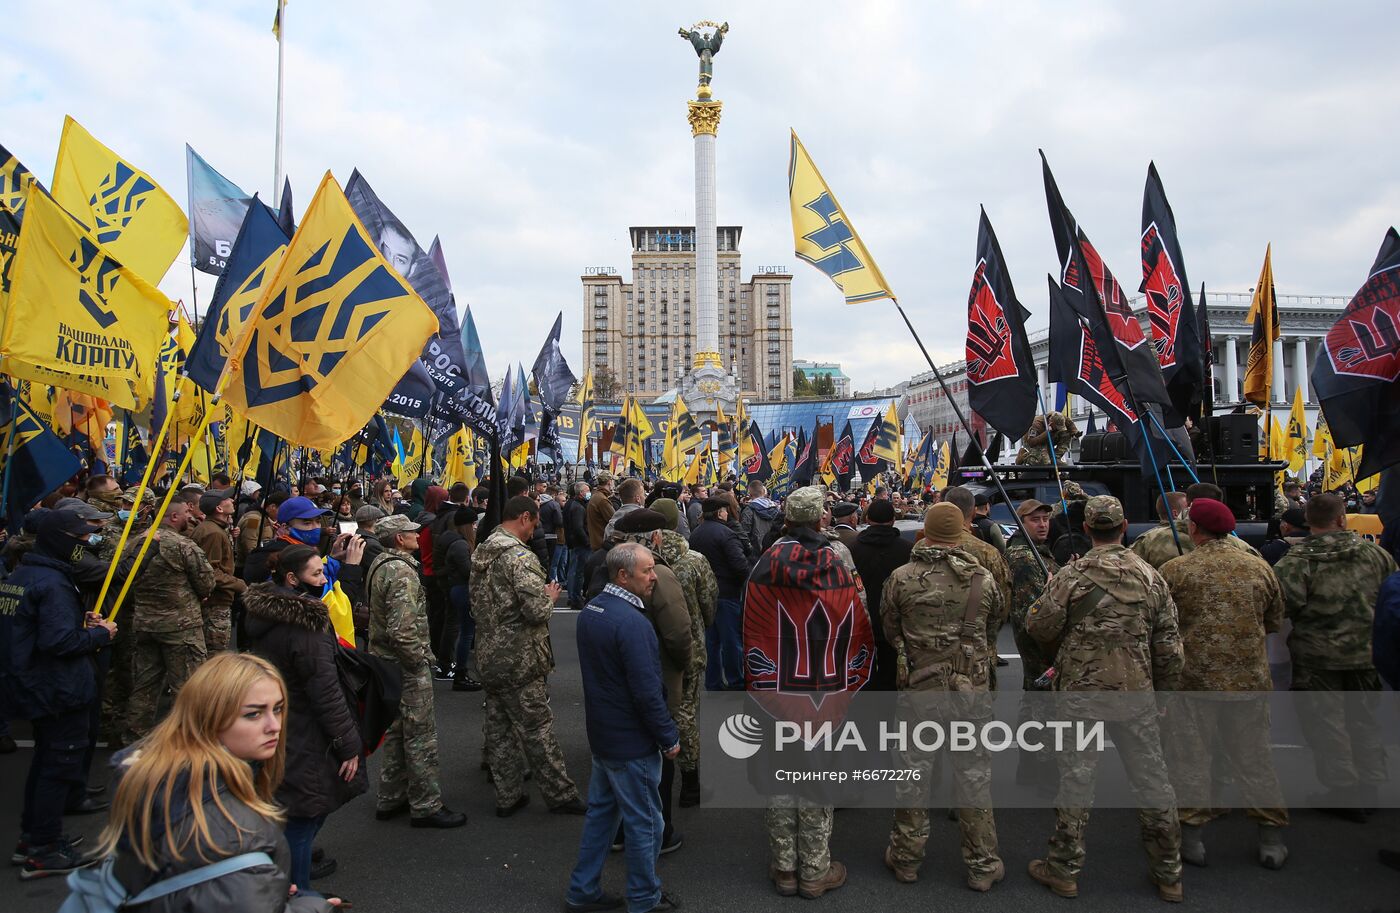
(724,640)
(48,675)
(629,729)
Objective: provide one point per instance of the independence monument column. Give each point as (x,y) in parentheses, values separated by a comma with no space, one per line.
(708,382)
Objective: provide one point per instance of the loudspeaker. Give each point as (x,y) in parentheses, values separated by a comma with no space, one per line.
(1115,447)
(1091,448)
(1235,437)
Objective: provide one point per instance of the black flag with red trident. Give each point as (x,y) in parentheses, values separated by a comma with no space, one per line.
(1170,309)
(1000,368)
(1357,372)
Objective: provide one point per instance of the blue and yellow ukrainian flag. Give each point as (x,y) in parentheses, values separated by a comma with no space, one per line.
(332,333)
(824,236)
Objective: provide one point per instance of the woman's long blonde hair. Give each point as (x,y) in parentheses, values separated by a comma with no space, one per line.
(185,746)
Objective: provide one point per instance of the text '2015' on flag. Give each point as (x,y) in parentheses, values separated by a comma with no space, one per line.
(78,318)
(1357,371)
(1000,368)
(825,237)
(332,333)
(128,212)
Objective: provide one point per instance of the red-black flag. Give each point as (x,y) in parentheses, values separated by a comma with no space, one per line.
(1093,292)
(869,464)
(1357,372)
(1000,368)
(1170,309)
(756,467)
(806,465)
(843,458)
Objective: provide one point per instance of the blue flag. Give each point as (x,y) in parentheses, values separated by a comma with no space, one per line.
(255,254)
(218,208)
(32,458)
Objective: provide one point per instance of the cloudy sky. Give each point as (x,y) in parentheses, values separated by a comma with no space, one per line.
(531,137)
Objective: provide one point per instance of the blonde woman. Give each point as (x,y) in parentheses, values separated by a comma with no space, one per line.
(200,788)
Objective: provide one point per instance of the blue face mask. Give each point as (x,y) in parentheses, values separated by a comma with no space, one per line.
(124,515)
(311,537)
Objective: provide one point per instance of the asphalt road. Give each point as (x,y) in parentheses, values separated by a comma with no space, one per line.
(522,864)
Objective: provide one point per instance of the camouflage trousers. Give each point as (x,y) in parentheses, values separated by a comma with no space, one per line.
(524,712)
(218,627)
(972,779)
(686,710)
(116,691)
(1338,717)
(1229,736)
(1140,749)
(799,836)
(1033,456)
(158,660)
(409,770)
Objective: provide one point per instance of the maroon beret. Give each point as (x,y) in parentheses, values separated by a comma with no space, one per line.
(1212,516)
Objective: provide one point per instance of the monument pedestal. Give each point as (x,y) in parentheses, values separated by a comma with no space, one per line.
(708,388)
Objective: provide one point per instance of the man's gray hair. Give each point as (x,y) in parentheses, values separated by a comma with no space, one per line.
(579,487)
(963,499)
(623,557)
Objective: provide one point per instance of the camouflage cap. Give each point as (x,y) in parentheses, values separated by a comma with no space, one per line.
(148,497)
(602,478)
(1073,492)
(395,523)
(1103,512)
(805,505)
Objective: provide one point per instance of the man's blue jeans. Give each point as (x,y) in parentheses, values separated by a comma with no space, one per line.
(724,648)
(560,568)
(626,791)
(301,834)
(578,557)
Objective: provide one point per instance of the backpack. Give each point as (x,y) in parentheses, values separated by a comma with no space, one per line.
(373,687)
(98,890)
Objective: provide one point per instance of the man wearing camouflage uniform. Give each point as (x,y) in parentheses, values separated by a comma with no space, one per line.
(1157,546)
(167,622)
(512,602)
(1111,624)
(989,557)
(398,631)
(117,689)
(212,536)
(697,580)
(1330,583)
(1227,602)
(1028,580)
(938,612)
(799,833)
(1035,446)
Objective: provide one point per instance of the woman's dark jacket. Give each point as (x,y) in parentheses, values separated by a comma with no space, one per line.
(294,633)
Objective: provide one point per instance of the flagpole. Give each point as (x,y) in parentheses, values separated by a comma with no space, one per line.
(1054,461)
(277,155)
(962,420)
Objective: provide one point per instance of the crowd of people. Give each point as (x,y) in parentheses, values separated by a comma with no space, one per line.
(223,681)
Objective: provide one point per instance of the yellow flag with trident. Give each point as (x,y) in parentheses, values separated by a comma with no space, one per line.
(824,237)
(1296,439)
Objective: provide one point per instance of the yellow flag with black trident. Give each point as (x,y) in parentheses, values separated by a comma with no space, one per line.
(825,238)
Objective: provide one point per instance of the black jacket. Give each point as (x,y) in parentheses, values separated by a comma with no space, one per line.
(294,633)
(46,655)
(575,523)
(724,550)
(878,551)
(452,557)
(551,517)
